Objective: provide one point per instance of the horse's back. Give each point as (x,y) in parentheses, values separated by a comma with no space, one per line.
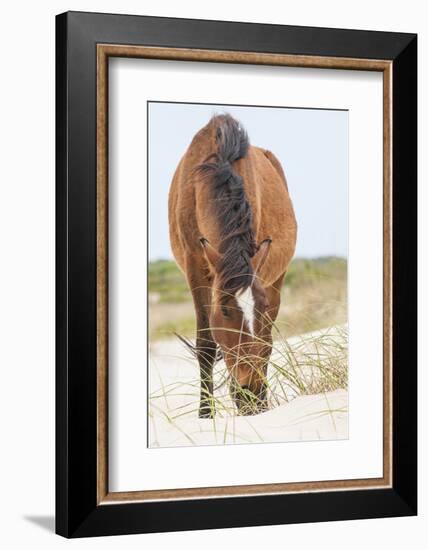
(191,200)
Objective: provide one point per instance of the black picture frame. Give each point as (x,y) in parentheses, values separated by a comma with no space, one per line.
(77,511)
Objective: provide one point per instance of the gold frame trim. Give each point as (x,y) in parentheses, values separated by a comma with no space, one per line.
(104,51)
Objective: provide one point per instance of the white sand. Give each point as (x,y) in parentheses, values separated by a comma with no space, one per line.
(174,402)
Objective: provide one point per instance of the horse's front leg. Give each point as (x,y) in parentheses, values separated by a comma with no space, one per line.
(206,351)
(206,348)
(273,295)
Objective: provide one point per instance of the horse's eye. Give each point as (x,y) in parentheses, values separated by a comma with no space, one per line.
(263,306)
(225,311)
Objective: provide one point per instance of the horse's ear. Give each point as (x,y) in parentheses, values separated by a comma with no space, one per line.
(210,252)
(261,255)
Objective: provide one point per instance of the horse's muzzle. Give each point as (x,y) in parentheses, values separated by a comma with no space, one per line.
(247,402)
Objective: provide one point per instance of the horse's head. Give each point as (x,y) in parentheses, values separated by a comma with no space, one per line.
(240,325)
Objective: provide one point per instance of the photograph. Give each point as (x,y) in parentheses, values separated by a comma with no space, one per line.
(247,274)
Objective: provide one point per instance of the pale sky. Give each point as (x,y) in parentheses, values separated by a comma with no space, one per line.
(311,144)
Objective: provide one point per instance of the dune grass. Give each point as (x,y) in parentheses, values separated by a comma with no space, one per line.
(306,365)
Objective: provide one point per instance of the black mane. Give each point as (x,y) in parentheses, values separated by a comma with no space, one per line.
(231,205)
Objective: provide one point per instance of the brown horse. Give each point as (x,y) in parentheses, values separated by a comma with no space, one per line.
(233,234)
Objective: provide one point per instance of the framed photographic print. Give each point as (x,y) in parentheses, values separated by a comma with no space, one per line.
(236,274)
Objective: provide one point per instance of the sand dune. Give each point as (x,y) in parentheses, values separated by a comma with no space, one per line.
(174,401)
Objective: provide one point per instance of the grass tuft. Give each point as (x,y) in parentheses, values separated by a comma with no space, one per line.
(309,364)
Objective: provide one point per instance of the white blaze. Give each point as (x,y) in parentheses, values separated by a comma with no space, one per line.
(245,301)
